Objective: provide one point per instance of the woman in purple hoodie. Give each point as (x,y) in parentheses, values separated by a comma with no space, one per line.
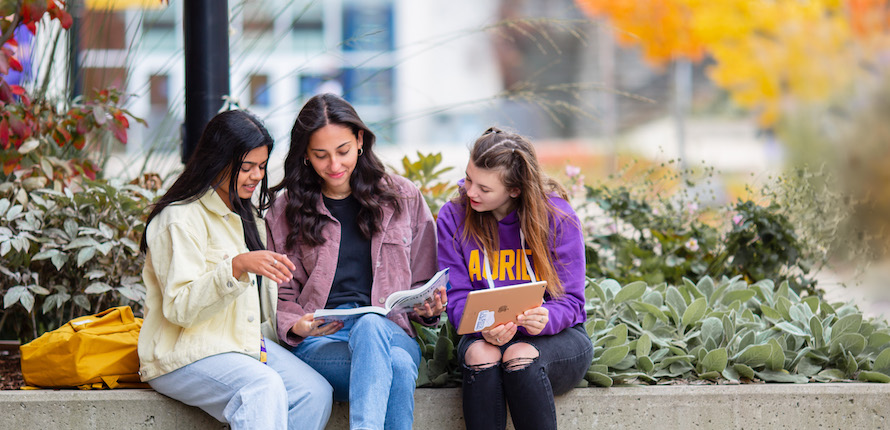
(511,224)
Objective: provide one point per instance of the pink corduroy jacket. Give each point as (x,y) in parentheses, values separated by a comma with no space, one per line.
(403,256)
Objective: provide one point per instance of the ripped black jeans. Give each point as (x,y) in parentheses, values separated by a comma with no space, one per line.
(527,386)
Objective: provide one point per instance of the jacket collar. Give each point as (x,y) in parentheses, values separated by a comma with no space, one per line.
(214,203)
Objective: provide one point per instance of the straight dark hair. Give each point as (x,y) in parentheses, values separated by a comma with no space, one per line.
(223,145)
(302,184)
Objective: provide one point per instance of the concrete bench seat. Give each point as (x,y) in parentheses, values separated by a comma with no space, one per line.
(761,406)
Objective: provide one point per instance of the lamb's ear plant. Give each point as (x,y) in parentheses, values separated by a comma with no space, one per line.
(728,331)
(438,347)
(67,253)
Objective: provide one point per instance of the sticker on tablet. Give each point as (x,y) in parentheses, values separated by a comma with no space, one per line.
(484,319)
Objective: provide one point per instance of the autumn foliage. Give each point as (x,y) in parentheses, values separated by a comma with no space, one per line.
(30,127)
(769,54)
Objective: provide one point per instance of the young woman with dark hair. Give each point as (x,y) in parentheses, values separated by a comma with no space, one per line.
(209,337)
(511,224)
(356,235)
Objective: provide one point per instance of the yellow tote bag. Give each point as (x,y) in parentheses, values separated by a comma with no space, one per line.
(90,352)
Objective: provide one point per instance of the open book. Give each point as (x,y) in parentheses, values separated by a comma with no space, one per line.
(397,302)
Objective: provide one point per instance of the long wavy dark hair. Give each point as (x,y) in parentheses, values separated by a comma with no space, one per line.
(302,184)
(513,156)
(226,140)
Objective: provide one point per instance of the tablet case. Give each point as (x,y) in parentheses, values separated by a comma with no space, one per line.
(495,306)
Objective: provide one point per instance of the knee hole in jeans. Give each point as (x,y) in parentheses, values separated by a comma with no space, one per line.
(481,355)
(519,356)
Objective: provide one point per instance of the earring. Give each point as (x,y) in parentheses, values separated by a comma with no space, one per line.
(360,152)
(305,161)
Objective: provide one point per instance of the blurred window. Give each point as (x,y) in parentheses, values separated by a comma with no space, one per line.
(368,26)
(368,86)
(98,78)
(259,90)
(103,29)
(159,91)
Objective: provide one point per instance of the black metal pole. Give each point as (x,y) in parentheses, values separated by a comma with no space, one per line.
(206,37)
(75,86)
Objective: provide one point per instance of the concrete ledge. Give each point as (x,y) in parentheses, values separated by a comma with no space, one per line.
(854,405)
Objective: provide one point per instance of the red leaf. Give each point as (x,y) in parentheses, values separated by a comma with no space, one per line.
(14,64)
(4,133)
(79,142)
(119,133)
(32,27)
(12,42)
(20,130)
(89,170)
(10,165)
(122,119)
(6,95)
(17,90)
(64,132)
(60,14)
(37,10)
(81,126)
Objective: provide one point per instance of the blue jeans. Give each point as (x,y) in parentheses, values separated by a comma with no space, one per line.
(371,362)
(240,390)
(528,389)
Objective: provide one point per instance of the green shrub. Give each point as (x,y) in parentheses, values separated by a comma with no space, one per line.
(633,234)
(763,321)
(729,331)
(64,253)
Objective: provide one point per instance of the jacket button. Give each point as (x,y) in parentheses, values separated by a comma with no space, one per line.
(229,284)
(405,240)
(250,318)
(225,256)
(381,300)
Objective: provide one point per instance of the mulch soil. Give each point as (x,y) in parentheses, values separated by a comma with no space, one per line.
(10,370)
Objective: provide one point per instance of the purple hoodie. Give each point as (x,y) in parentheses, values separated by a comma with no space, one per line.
(467,273)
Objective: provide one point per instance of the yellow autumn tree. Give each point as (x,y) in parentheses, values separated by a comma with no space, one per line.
(770,55)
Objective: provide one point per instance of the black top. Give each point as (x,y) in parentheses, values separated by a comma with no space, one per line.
(352,281)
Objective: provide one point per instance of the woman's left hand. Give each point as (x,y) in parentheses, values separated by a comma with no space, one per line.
(534,320)
(434,308)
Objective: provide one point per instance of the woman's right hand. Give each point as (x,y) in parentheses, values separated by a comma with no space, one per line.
(272,265)
(501,334)
(307,326)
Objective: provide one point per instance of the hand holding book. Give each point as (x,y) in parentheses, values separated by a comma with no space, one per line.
(308,325)
(428,300)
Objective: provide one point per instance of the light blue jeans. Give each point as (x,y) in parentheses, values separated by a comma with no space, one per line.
(373,363)
(240,390)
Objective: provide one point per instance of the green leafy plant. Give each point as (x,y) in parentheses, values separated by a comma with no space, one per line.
(426,174)
(439,365)
(633,234)
(65,254)
(729,331)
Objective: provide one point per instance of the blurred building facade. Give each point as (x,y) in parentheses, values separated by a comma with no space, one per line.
(423,74)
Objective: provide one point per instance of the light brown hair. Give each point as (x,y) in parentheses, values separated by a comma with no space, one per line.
(514,158)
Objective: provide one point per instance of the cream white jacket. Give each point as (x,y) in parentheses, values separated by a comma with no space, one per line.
(194,307)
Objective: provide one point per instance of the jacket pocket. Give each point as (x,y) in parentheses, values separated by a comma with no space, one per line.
(395,257)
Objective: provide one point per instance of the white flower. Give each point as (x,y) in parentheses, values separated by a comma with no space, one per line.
(692,244)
